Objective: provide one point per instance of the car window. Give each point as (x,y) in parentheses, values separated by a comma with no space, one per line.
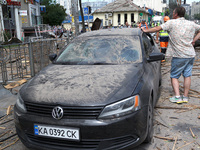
(147,44)
(102,50)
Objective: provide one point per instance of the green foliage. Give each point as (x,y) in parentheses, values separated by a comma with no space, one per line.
(7,35)
(197,16)
(187,17)
(55,14)
(167,13)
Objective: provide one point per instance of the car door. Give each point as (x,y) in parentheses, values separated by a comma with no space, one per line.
(152,68)
(150,48)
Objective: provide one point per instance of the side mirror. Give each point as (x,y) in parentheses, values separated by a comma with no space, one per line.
(52,57)
(156,57)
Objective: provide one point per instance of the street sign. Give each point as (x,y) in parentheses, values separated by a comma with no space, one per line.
(85,10)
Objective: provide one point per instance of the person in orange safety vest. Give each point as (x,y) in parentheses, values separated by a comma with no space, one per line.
(143,24)
(164,38)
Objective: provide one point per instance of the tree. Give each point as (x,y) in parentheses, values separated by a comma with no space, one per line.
(55,14)
(197,16)
(167,13)
(82,16)
(187,17)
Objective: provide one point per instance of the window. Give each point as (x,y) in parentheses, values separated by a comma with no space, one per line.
(119,22)
(132,17)
(33,16)
(7,12)
(102,49)
(147,44)
(125,18)
(110,22)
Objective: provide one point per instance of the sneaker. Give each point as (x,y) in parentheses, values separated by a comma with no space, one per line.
(162,60)
(184,99)
(174,99)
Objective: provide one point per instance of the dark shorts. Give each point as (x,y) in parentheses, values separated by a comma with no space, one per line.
(163,50)
(181,66)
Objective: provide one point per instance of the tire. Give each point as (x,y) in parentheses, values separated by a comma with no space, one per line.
(160,77)
(149,122)
(160,80)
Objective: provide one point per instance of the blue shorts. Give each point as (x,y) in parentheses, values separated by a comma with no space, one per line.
(181,66)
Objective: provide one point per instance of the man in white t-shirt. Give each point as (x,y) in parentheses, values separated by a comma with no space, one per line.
(180,48)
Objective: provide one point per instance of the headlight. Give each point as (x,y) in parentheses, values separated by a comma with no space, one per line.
(20,104)
(121,108)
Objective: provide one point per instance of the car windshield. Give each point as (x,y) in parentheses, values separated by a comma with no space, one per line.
(102,50)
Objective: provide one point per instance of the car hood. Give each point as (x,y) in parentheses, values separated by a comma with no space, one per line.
(82,85)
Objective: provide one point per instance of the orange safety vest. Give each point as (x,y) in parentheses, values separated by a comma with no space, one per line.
(145,24)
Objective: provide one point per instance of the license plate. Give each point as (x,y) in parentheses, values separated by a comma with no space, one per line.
(57,132)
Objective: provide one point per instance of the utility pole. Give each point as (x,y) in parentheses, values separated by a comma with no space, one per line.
(1,25)
(74,7)
(88,18)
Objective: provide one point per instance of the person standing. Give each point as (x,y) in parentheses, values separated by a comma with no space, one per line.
(180,48)
(143,24)
(127,25)
(164,38)
(158,23)
(152,24)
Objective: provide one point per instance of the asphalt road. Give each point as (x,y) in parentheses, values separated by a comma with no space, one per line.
(168,123)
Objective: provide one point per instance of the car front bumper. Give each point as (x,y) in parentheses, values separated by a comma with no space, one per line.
(121,133)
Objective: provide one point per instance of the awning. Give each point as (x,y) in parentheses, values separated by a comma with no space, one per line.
(150,11)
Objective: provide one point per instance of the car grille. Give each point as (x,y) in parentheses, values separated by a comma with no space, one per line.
(84,144)
(123,141)
(61,143)
(69,112)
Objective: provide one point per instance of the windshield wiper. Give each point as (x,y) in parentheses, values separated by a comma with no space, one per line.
(84,63)
(102,63)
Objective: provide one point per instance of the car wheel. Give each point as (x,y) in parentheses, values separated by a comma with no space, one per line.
(150,122)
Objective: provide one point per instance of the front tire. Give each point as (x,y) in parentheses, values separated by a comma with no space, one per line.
(160,77)
(149,122)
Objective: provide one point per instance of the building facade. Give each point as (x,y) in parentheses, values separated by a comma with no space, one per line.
(156,5)
(66,4)
(119,12)
(195,9)
(187,8)
(94,5)
(18,14)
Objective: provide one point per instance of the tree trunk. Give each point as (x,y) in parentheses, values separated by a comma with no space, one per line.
(83,21)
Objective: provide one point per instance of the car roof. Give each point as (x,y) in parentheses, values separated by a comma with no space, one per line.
(110,32)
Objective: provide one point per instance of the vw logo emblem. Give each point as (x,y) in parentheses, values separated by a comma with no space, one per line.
(57,112)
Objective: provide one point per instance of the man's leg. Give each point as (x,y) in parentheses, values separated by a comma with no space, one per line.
(187,83)
(175,74)
(175,85)
(163,48)
(187,73)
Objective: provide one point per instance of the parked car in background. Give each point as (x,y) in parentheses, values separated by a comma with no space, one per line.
(98,93)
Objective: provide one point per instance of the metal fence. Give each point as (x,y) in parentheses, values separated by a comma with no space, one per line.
(27,59)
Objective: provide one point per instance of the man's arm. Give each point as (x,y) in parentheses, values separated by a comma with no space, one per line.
(196,38)
(155,29)
(157,35)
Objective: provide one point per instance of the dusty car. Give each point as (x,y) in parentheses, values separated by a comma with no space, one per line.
(98,93)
